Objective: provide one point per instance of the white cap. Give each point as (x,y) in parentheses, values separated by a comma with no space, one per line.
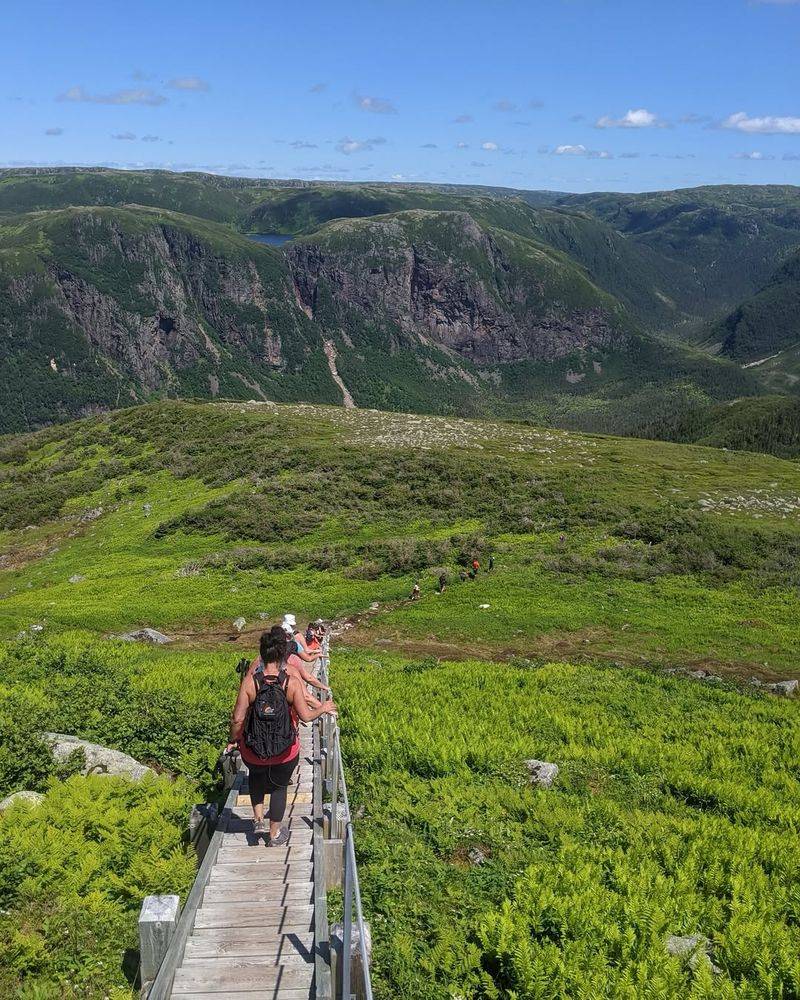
(289,620)
(287,628)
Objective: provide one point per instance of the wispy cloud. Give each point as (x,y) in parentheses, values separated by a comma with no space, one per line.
(188,83)
(125,136)
(429,145)
(317,88)
(636,118)
(504,105)
(302,144)
(490,147)
(694,119)
(463,119)
(462,145)
(755,155)
(376,105)
(151,138)
(535,105)
(580,150)
(791,156)
(349,146)
(136,95)
(54,131)
(766,125)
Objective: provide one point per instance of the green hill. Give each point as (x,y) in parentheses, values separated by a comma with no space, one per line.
(618,564)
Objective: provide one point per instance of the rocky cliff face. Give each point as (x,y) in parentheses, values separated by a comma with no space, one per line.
(141,304)
(439,278)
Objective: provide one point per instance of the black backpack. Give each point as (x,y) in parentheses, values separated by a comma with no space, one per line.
(269,730)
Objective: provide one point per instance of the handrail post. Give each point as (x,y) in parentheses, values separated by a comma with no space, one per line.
(335,784)
(347,929)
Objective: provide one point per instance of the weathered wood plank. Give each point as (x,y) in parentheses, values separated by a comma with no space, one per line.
(276,874)
(222,978)
(265,892)
(299,851)
(237,944)
(281,994)
(270,937)
(258,915)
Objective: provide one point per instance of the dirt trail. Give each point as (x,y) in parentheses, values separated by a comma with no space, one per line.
(588,645)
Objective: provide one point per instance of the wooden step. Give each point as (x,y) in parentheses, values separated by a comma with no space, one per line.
(240,979)
(264,892)
(288,958)
(273,994)
(270,938)
(262,915)
(285,947)
(260,853)
(275,873)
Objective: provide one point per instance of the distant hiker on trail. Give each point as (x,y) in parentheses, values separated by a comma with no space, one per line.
(472,573)
(442,582)
(475,566)
(315,633)
(463,576)
(415,592)
(491,563)
(264,727)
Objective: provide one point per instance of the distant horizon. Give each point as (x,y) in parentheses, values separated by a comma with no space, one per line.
(388,182)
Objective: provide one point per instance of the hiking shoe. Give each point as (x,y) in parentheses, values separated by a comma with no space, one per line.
(281,839)
(259,826)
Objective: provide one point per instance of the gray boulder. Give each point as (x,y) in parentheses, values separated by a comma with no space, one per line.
(99,760)
(144,635)
(784,688)
(32,799)
(694,949)
(476,856)
(77,578)
(239,623)
(542,773)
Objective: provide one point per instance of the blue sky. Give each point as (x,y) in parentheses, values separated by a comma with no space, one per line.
(571,95)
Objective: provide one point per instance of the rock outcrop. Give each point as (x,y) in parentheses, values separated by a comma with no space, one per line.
(99,759)
(31,799)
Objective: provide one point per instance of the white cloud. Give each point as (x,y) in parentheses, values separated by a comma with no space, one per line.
(138,95)
(349,146)
(377,105)
(462,145)
(581,150)
(490,147)
(54,131)
(766,125)
(188,83)
(755,155)
(638,118)
(127,136)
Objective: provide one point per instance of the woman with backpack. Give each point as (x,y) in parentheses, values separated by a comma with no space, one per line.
(264,727)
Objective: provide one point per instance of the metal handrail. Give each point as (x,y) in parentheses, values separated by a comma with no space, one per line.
(352,890)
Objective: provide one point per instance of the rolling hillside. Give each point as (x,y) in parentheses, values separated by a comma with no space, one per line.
(642,597)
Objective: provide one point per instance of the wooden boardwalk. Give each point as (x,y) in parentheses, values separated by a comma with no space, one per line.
(256,932)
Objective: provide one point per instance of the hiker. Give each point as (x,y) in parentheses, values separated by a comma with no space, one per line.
(463,576)
(415,592)
(315,633)
(293,665)
(491,563)
(442,582)
(264,727)
(475,566)
(296,642)
(472,573)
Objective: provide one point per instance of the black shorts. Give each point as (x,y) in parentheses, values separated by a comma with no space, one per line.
(269,778)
